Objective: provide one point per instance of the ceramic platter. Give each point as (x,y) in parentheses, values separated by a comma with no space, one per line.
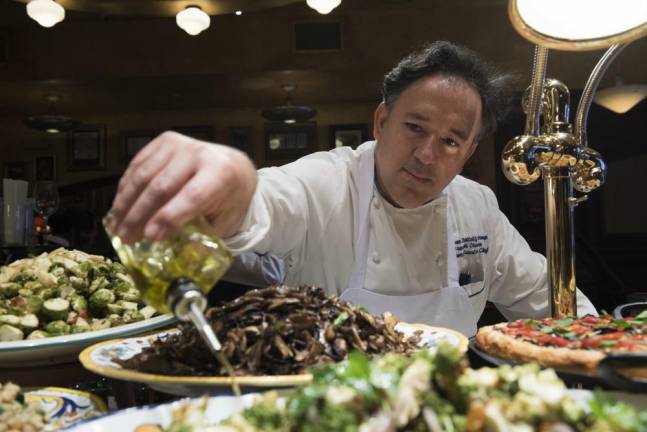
(221,407)
(100,358)
(66,407)
(218,409)
(64,349)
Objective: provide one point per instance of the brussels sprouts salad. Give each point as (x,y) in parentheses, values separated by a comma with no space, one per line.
(424,392)
(65,292)
(17,414)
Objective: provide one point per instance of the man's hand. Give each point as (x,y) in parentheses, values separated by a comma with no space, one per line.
(175,179)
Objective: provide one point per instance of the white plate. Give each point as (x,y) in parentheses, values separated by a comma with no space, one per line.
(65,407)
(222,407)
(218,409)
(99,359)
(63,349)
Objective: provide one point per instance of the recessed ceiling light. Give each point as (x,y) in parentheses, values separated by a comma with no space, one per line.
(323,6)
(239,13)
(46,12)
(193,20)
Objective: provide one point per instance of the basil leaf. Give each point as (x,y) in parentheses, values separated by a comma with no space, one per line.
(570,335)
(531,322)
(642,315)
(565,322)
(340,319)
(547,329)
(620,324)
(608,343)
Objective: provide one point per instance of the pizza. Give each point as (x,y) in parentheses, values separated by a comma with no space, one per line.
(577,344)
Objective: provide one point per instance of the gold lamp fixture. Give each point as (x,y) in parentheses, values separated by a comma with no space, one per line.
(579,25)
(550,146)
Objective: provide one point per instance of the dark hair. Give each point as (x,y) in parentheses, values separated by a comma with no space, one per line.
(452,60)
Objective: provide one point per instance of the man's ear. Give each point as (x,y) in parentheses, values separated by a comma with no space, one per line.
(381,113)
(475,144)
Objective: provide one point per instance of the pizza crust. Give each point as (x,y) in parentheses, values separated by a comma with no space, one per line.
(493,340)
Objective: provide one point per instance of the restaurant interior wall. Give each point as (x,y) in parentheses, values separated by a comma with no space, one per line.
(136,73)
(133,73)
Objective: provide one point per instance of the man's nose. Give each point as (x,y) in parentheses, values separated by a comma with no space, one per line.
(427,151)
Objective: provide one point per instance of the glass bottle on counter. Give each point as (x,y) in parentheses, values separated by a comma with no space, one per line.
(174,274)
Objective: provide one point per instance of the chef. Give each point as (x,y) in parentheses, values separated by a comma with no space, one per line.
(391,225)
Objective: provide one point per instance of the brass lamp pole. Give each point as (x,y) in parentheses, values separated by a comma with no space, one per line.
(549,147)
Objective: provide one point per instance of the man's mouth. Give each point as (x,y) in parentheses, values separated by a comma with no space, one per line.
(418,177)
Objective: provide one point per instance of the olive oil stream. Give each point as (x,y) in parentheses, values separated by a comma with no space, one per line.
(194,253)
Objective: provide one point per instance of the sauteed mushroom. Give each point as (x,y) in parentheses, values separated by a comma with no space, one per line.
(276,330)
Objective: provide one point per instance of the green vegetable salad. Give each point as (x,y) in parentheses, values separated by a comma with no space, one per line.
(63,292)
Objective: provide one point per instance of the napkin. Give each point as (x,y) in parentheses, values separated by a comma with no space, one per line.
(14,207)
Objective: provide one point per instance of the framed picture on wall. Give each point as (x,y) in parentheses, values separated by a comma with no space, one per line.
(350,135)
(289,141)
(134,140)
(202,132)
(86,148)
(45,168)
(240,138)
(16,170)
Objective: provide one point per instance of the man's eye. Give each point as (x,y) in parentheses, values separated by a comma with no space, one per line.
(413,127)
(450,142)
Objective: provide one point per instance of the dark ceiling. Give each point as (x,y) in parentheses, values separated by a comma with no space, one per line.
(129,55)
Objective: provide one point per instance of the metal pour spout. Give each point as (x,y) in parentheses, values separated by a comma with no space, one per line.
(188,303)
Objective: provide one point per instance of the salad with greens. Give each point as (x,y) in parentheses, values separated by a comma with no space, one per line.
(426,392)
(64,292)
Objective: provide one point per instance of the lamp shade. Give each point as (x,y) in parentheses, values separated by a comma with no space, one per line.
(622,98)
(193,20)
(45,12)
(51,123)
(289,113)
(323,6)
(579,25)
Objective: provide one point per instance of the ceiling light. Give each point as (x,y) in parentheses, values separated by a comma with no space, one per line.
(289,113)
(51,123)
(193,20)
(323,6)
(45,12)
(577,25)
(621,98)
(239,13)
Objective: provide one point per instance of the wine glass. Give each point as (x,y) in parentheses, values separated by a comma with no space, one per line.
(46,200)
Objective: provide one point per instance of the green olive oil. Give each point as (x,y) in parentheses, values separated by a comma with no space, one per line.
(194,253)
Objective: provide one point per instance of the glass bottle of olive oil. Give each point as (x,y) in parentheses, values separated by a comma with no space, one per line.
(174,274)
(194,253)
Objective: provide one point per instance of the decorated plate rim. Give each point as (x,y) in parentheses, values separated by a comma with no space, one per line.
(98,403)
(250,380)
(57,341)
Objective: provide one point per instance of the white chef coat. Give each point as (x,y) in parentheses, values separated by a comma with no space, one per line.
(305,212)
(445,306)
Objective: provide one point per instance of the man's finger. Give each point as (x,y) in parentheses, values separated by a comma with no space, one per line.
(203,193)
(168,182)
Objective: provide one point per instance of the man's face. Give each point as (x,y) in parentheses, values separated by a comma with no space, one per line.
(425,138)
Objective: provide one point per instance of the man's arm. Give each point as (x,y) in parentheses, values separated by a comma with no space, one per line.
(292,205)
(256,270)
